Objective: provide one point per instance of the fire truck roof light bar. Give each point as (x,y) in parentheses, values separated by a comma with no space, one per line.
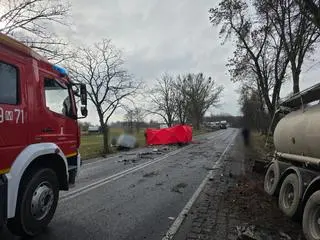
(61,70)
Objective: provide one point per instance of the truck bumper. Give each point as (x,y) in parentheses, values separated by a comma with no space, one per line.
(3,199)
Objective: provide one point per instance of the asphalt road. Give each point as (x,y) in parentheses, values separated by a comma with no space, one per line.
(130,197)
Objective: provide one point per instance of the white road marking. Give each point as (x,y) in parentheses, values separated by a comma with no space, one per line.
(101,182)
(177,223)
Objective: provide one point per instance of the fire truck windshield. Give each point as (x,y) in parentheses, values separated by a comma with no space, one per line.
(58,98)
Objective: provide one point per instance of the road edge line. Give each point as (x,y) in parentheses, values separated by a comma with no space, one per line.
(183,214)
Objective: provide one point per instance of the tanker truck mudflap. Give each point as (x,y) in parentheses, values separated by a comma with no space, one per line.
(3,199)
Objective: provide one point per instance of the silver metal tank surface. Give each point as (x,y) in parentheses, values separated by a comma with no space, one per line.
(299,132)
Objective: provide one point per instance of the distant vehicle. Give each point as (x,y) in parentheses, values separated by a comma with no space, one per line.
(94,129)
(212,125)
(223,124)
(40,136)
(294,173)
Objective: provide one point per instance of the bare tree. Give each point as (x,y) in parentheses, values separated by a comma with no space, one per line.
(30,22)
(129,119)
(163,99)
(296,32)
(134,118)
(84,126)
(311,10)
(181,101)
(101,68)
(138,116)
(254,116)
(201,93)
(259,56)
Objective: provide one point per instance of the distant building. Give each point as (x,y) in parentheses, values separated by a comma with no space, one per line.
(93,129)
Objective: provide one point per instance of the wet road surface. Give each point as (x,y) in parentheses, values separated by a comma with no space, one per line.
(130,197)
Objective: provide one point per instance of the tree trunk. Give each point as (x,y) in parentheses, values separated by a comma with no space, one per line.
(196,123)
(105,130)
(295,77)
(105,133)
(296,87)
(130,128)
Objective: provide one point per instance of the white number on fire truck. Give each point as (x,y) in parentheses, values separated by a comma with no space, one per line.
(20,115)
(1,115)
(8,116)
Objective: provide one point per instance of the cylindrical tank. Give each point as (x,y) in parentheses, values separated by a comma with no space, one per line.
(299,132)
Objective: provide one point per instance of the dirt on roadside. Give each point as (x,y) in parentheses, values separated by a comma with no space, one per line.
(253,207)
(234,206)
(247,200)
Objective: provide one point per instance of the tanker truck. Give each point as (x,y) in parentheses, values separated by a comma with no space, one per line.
(293,176)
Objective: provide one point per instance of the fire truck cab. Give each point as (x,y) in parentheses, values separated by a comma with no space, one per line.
(39,136)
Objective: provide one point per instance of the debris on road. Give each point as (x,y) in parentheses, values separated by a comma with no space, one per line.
(127,161)
(260,233)
(133,157)
(177,188)
(151,174)
(159,183)
(208,168)
(145,154)
(171,218)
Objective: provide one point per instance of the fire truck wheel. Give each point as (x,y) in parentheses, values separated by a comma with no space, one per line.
(311,217)
(290,194)
(271,179)
(37,202)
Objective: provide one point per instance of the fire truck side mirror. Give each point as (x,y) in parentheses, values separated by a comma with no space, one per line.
(83,94)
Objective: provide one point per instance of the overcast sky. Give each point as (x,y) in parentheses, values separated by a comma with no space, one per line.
(159,36)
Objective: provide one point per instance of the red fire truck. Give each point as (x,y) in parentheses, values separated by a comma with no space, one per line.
(39,136)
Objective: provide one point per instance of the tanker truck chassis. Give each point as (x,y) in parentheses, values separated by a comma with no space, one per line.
(293,176)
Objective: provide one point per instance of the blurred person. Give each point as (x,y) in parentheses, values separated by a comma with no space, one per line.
(246,136)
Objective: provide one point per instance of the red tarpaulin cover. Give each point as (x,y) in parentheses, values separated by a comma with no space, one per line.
(172,135)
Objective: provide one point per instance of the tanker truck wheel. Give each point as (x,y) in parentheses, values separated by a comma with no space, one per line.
(36,203)
(271,178)
(290,195)
(311,217)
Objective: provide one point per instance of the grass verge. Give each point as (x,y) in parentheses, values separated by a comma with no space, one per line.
(92,144)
